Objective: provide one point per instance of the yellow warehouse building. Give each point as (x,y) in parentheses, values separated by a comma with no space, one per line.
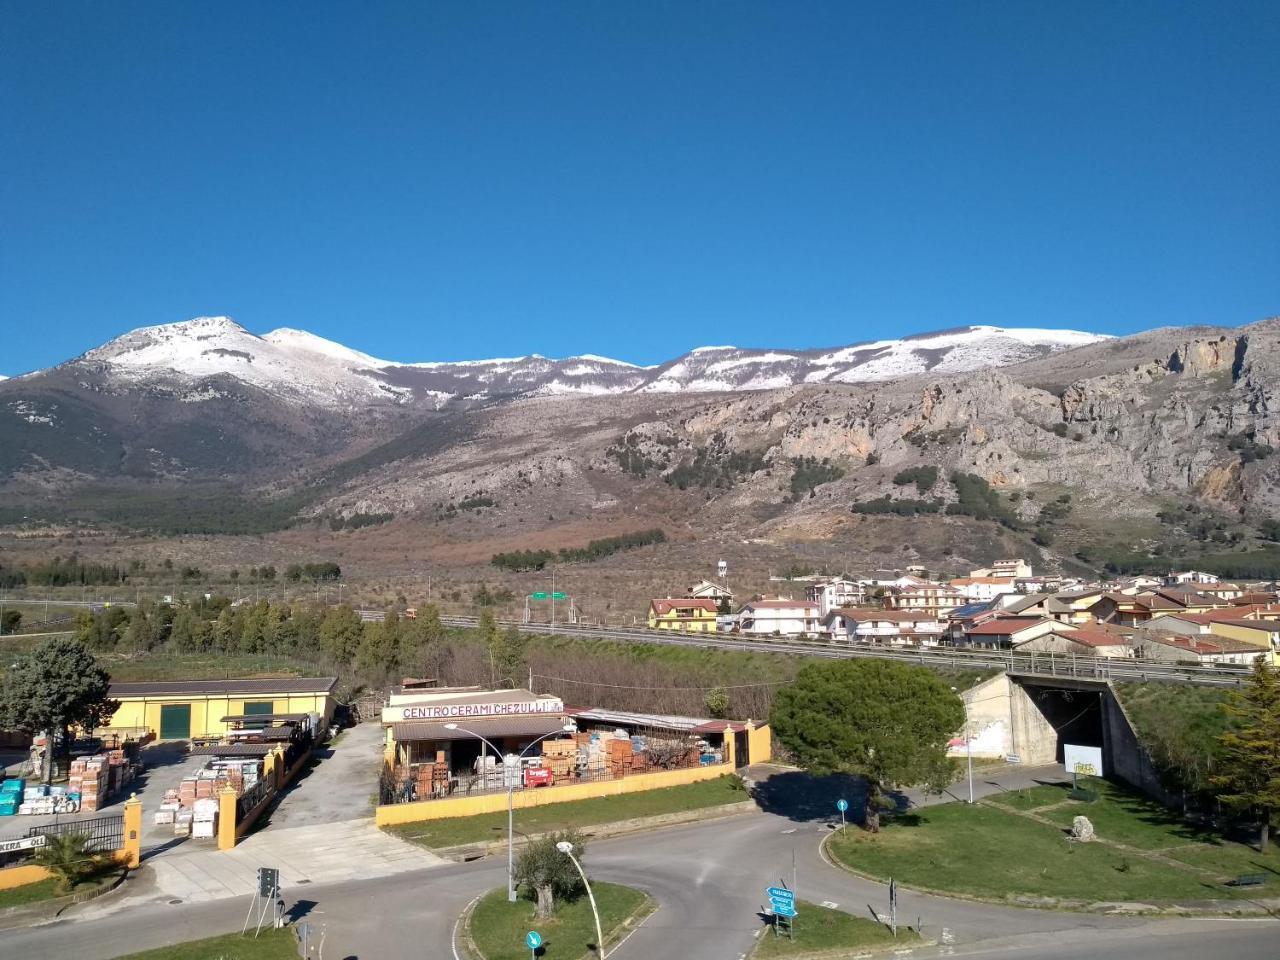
(183,709)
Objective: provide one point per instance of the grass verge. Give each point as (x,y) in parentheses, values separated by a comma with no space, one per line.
(989,852)
(269,945)
(577,813)
(498,927)
(29,893)
(821,931)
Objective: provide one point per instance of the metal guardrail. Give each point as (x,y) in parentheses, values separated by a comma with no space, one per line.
(1039,665)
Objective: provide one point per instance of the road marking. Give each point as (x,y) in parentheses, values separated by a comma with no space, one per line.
(453,939)
(829,904)
(629,935)
(792,830)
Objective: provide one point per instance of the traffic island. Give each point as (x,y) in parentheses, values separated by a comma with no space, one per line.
(1017,849)
(495,929)
(268,945)
(821,932)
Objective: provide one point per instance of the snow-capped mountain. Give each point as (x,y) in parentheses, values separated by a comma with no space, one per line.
(202,359)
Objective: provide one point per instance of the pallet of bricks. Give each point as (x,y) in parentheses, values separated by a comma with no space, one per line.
(193,807)
(431,779)
(560,756)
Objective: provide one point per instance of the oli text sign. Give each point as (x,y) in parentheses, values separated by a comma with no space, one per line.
(462,711)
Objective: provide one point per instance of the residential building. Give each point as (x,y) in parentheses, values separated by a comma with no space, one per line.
(683,613)
(1005,633)
(1191,576)
(1158,645)
(783,617)
(1087,641)
(1004,568)
(934,598)
(984,588)
(832,592)
(706,590)
(877,625)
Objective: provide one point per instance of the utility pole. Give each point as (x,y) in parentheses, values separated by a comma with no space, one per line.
(553,603)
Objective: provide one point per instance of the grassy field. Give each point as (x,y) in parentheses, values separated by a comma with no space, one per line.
(196,666)
(270,945)
(31,893)
(498,927)
(578,813)
(821,930)
(991,852)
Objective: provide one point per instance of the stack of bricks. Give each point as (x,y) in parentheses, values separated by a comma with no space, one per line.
(94,782)
(187,788)
(618,752)
(560,756)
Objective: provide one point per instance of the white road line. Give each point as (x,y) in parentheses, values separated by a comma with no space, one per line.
(453,939)
(632,933)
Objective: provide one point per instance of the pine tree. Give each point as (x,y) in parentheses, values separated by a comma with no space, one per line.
(1250,765)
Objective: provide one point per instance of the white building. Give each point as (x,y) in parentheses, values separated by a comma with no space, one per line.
(834,592)
(788,618)
(982,589)
(1015,569)
(872,625)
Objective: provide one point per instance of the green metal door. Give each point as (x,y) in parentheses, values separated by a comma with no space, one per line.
(258,708)
(175,721)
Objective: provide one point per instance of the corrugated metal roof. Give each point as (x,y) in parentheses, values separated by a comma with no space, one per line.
(233,750)
(655,721)
(517,726)
(217,688)
(266,718)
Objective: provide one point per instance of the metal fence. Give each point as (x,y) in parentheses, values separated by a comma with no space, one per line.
(399,786)
(104,834)
(251,798)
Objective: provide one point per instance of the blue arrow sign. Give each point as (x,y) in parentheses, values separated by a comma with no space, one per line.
(784,909)
(842,805)
(781,893)
(533,939)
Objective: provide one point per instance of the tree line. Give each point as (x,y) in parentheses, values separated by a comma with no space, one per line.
(520,561)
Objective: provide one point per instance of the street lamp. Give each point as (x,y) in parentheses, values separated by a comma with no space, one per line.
(968,742)
(511,860)
(565,847)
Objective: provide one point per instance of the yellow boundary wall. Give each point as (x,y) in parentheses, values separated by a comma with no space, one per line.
(396,813)
(130,855)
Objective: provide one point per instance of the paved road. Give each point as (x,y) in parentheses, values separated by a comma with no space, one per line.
(709,880)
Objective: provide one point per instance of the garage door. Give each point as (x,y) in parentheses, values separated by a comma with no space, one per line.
(258,708)
(175,721)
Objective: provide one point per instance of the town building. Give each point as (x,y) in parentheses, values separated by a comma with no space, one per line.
(934,598)
(707,590)
(832,592)
(687,614)
(187,709)
(877,625)
(1012,569)
(984,588)
(782,617)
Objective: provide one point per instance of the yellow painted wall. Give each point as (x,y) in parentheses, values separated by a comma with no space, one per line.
(207,712)
(390,814)
(703,621)
(1257,638)
(22,875)
(760,744)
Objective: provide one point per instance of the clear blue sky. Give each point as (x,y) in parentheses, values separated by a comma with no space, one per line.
(457,180)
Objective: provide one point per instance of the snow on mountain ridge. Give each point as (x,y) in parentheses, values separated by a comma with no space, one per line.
(302,367)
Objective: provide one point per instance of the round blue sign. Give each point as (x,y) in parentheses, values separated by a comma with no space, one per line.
(533,939)
(842,805)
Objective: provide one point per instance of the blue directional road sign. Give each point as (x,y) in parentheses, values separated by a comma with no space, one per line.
(533,939)
(842,805)
(783,901)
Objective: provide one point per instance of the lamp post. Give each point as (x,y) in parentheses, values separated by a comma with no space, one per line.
(565,847)
(511,859)
(968,742)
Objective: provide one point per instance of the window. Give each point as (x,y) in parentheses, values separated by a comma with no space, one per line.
(258,708)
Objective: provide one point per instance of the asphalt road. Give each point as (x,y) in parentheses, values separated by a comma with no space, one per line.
(709,881)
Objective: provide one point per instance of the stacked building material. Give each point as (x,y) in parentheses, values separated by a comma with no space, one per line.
(204,824)
(618,752)
(560,756)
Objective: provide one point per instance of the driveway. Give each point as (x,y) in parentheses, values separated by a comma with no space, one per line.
(341,783)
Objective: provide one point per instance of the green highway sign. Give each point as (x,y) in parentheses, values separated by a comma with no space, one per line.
(539,595)
(557,596)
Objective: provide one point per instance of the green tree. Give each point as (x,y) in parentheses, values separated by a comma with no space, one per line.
(10,622)
(886,722)
(716,701)
(57,686)
(340,634)
(429,619)
(506,652)
(377,654)
(1249,771)
(545,874)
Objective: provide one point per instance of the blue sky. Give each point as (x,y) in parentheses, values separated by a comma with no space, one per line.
(458,180)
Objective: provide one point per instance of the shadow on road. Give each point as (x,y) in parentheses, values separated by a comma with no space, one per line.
(806,798)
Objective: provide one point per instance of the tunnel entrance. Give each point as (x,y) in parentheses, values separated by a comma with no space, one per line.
(1075,714)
